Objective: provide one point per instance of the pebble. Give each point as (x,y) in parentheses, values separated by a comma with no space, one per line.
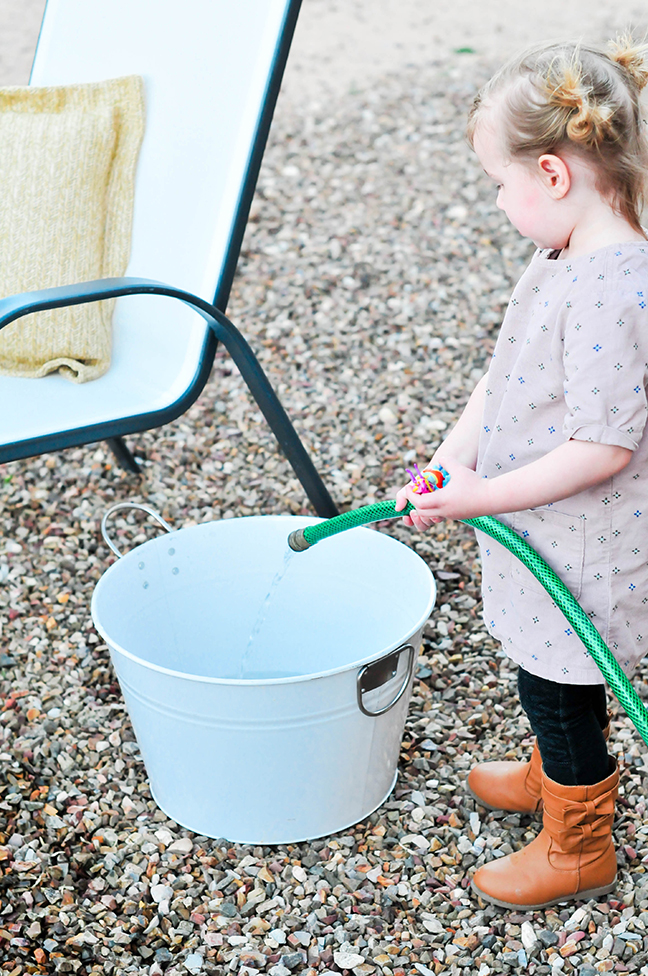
(193,962)
(182,846)
(160,892)
(348,960)
(292,960)
(372,279)
(575,921)
(527,934)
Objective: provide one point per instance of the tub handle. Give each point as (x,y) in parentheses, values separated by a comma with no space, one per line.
(378,673)
(142,508)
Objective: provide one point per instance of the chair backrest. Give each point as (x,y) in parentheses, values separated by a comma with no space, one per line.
(212,70)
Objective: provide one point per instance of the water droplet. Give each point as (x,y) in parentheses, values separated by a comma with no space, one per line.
(172,552)
(145,585)
(175,570)
(140,565)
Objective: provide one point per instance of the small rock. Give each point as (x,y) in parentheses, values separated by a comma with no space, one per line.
(161,892)
(568,949)
(194,962)
(420,968)
(182,846)
(348,960)
(435,925)
(227,909)
(292,960)
(387,416)
(415,840)
(164,836)
(618,947)
(527,935)
(576,920)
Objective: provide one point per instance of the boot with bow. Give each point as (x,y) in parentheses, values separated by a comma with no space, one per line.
(572,857)
(511,786)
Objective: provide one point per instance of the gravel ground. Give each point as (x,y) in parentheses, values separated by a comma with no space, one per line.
(373,278)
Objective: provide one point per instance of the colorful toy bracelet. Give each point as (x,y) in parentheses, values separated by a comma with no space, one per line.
(430,479)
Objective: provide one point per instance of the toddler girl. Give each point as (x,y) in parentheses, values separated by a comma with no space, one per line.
(551,442)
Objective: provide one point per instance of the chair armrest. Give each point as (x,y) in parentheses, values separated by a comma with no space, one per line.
(16,306)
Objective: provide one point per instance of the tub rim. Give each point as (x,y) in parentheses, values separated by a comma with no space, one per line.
(247,682)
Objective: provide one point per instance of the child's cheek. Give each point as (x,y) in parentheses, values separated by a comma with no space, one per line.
(529,214)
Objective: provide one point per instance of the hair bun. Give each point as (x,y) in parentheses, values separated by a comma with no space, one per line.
(631,56)
(591,124)
(588,122)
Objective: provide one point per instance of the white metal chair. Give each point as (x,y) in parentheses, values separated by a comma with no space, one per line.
(212,71)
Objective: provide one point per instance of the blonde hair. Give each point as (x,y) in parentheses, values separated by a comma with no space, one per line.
(569,95)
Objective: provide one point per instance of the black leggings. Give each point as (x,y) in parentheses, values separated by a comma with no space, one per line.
(568,721)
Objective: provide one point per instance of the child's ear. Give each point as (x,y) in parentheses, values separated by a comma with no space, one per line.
(554,174)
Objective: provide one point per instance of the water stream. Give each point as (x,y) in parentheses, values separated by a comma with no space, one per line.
(245,670)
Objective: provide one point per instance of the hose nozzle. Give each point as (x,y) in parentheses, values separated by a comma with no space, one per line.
(297,541)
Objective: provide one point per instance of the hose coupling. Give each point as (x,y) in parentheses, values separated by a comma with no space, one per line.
(297,541)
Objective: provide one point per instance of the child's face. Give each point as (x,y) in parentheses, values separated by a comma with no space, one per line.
(521,193)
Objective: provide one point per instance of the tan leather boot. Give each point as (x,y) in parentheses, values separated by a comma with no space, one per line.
(504,785)
(572,856)
(512,786)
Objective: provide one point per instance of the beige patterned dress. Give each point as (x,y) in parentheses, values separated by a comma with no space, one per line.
(571,361)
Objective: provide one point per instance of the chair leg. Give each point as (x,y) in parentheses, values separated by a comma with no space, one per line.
(288,438)
(123,456)
(277,418)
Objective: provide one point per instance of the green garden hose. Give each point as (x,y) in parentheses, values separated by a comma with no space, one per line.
(302,539)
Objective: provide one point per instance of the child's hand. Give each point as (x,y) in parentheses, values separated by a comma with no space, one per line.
(465,496)
(402,499)
(416,519)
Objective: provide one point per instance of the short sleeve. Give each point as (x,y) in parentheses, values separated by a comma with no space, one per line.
(606,370)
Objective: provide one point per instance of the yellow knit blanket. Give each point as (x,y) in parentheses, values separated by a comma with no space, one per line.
(67,171)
